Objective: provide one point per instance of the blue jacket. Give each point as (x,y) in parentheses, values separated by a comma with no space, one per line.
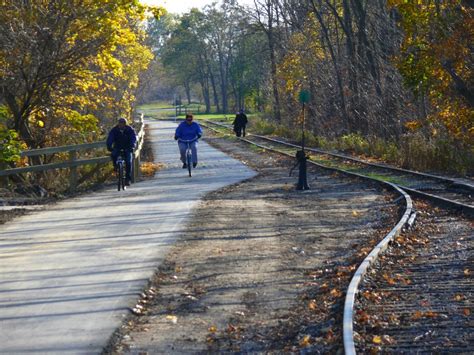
(187,131)
(126,139)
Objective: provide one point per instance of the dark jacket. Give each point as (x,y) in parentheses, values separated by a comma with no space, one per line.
(240,120)
(117,139)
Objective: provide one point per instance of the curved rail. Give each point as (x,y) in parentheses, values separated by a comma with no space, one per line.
(406,219)
(348,319)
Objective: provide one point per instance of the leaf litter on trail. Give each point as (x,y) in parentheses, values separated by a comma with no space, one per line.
(305,341)
(312,305)
(172,319)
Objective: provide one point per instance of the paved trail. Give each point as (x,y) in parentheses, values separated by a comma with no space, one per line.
(69,273)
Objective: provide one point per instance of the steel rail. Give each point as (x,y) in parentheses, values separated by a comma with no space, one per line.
(435,199)
(348,315)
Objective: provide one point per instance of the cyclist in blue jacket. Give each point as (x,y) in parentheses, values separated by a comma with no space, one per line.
(122,136)
(186,131)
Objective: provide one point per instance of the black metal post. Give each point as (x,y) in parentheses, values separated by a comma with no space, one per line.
(301,158)
(302,129)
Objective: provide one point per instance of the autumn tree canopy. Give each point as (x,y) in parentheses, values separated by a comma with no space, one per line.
(67,66)
(436,60)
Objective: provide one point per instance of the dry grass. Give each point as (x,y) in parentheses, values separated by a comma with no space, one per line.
(413,151)
(148,169)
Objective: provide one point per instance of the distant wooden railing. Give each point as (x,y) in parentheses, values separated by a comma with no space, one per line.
(73,161)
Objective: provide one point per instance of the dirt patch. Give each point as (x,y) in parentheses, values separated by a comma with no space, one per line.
(261,267)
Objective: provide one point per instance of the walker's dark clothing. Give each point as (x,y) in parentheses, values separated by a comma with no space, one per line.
(125,139)
(239,123)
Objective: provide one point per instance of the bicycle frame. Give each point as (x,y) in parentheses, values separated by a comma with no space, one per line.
(120,164)
(189,154)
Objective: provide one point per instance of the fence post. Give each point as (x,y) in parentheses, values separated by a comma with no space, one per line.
(73,171)
(136,168)
(3,179)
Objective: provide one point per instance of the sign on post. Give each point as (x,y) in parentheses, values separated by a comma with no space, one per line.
(304,96)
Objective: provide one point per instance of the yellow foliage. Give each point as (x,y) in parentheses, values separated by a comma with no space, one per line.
(413,125)
(436,56)
(108,40)
(304,49)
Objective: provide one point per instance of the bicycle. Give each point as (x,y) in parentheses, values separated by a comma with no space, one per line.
(189,154)
(120,166)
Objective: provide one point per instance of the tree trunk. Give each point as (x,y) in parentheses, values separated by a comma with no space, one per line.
(187,88)
(334,61)
(214,90)
(276,95)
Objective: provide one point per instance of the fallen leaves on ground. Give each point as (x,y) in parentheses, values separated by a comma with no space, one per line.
(212,329)
(148,169)
(312,305)
(305,341)
(172,319)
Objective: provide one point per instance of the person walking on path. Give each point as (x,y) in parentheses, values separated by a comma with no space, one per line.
(188,130)
(122,137)
(239,123)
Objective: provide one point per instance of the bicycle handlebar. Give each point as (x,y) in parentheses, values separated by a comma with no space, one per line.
(188,140)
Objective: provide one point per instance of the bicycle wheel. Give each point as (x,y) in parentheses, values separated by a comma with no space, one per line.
(120,182)
(189,160)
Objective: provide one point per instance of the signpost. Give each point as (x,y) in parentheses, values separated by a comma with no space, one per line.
(301,155)
(304,98)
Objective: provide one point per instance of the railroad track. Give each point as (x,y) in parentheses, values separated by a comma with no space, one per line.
(417,297)
(445,192)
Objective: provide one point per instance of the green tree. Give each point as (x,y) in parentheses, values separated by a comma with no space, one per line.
(10,146)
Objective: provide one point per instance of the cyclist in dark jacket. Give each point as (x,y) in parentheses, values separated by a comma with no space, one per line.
(122,136)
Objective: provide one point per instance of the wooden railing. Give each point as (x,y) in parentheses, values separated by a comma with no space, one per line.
(73,161)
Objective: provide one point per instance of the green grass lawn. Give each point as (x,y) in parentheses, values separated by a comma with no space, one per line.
(217,117)
(220,117)
(162,109)
(155,105)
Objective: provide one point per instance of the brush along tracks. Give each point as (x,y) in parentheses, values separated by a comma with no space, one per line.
(442,191)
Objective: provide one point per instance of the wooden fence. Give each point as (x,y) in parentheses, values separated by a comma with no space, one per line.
(73,161)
